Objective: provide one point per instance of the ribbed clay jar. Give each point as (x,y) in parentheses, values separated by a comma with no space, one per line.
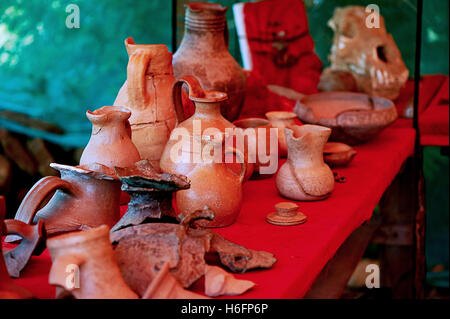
(203,53)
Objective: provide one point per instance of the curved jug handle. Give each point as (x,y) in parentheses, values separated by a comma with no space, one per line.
(195,90)
(34,198)
(17,258)
(138,63)
(241,157)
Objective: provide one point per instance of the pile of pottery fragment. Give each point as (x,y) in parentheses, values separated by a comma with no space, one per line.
(157,248)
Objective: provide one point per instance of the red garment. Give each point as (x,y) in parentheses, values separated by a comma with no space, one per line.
(302,250)
(282,50)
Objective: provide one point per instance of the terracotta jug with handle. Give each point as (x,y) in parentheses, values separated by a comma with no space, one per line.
(110,143)
(147,92)
(214,183)
(85,197)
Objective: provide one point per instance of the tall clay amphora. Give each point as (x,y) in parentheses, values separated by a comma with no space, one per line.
(110,143)
(305,176)
(203,53)
(147,92)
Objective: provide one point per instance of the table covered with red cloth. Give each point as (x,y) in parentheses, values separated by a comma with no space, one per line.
(302,250)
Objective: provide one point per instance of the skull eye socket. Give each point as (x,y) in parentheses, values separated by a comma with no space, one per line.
(381,53)
(349,30)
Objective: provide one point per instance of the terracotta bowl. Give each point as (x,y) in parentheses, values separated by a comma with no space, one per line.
(353,117)
(338,154)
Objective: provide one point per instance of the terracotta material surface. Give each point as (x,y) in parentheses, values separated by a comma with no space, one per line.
(353,117)
(366,53)
(8,289)
(89,257)
(165,286)
(140,248)
(235,257)
(280,120)
(150,192)
(214,185)
(110,142)
(286,214)
(147,92)
(218,282)
(338,154)
(32,235)
(85,197)
(258,136)
(203,53)
(305,176)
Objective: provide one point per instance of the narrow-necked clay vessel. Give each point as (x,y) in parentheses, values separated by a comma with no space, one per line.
(84,266)
(85,197)
(259,146)
(305,176)
(203,53)
(147,92)
(338,154)
(280,120)
(110,142)
(218,282)
(8,289)
(206,117)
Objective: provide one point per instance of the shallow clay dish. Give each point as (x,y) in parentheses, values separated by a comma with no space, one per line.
(353,117)
(338,154)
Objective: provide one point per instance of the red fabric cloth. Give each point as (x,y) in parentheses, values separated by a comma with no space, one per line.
(301,250)
(281,48)
(434,121)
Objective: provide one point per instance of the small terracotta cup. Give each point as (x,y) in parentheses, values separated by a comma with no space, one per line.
(281,120)
(254,141)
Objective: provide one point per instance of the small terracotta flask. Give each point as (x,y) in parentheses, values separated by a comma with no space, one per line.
(280,120)
(87,259)
(305,176)
(147,93)
(110,143)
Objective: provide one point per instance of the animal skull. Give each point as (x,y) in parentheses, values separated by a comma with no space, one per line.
(370,55)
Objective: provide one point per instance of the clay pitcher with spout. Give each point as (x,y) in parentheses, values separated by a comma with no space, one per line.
(305,176)
(148,93)
(110,143)
(206,118)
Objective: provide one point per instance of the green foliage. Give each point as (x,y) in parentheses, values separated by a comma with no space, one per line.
(57,73)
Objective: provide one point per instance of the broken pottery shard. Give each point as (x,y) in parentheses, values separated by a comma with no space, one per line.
(143,174)
(165,286)
(142,247)
(17,258)
(237,258)
(150,192)
(218,282)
